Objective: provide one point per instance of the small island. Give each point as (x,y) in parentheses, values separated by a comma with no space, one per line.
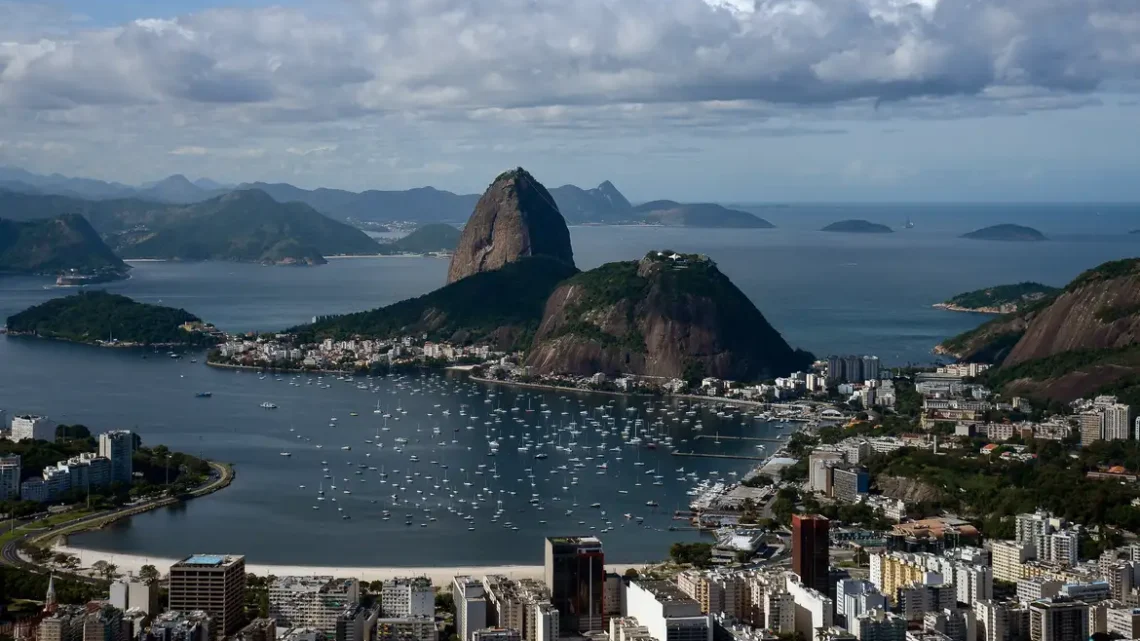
(858,227)
(1003,299)
(669,213)
(1006,232)
(109,320)
(428,239)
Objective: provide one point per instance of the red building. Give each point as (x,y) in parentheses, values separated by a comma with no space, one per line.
(810,546)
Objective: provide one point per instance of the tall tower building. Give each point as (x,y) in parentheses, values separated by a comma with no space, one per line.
(213,583)
(9,477)
(119,447)
(810,551)
(575,574)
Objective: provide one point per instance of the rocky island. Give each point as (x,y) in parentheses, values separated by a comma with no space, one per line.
(65,244)
(429,239)
(674,214)
(1006,232)
(1003,299)
(856,226)
(109,320)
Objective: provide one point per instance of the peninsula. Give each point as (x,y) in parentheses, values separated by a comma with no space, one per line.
(429,239)
(1006,232)
(1002,299)
(856,226)
(110,320)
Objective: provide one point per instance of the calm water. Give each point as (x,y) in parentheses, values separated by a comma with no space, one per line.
(826,293)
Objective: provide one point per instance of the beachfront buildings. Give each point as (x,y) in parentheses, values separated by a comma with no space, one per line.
(214,584)
(311,601)
(575,574)
(408,597)
(470,606)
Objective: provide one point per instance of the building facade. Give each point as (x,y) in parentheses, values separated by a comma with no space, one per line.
(214,584)
(811,551)
(575,574)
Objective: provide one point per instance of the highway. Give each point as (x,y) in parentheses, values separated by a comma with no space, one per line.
(220,477)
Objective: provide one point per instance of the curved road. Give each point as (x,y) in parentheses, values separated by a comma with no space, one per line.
(9,555)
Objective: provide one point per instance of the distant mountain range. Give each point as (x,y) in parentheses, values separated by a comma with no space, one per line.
(240,225)
(603,204)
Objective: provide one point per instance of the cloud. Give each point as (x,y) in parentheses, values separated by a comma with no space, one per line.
(189,151)
(438,55)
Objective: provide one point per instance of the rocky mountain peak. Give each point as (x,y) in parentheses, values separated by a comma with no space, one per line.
(516,217)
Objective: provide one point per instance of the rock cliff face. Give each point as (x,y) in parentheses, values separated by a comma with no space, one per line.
(515,218)
(1098,310)
(668,315)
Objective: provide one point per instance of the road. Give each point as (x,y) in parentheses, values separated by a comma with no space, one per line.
(220,477)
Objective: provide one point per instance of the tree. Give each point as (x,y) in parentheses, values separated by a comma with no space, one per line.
(111,571)
(631,573)
(148,574)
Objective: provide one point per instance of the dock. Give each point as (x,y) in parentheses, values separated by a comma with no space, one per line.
(739,457)
(739,438)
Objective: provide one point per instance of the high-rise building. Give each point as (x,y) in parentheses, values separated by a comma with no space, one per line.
(992,619)
(1008,558)
(779,611)
(545,626)
(119,447)
(10,477)
(260,629)
(64,624)
(918,599)
(847,485)
(855,596)
(103,624)
(878,625)
(127,594)
(1058,620)
(497,634)
(575,574)
(668,613)
(470,607)
(1124,622)
(29,427)
(311,601)
(957,625)
(355,623)
(870,368)
(1117,421)
(173,625)
(811,551)
(853,369)
(408,597)
(212,583)
(814,609)
(1092,427)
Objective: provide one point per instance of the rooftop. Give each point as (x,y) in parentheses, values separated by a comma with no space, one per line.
(210,560)
(664,591)
(580,540)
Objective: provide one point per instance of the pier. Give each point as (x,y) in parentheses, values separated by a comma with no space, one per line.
(717,437)
(740,457)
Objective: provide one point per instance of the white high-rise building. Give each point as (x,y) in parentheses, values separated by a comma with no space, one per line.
(405,597)
(667,613)
(119,447)
(545,622)
(9,477)
(470,607)
(973,582)
(1117,418)
(992,620)
(779,611)
(1059,547)
(28,427)
(813,608)
(878,625)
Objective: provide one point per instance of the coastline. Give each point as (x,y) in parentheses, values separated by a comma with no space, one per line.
(118,345)
(440,576)
(950,307)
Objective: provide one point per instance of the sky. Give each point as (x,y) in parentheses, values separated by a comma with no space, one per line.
(725,100)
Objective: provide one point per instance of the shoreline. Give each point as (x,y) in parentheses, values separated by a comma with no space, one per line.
(441,575)
(118,345)
(950,307)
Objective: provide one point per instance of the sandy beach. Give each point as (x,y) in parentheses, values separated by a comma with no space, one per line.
(440,576)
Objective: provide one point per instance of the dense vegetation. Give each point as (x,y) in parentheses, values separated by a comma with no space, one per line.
(1107,271)
(473,309)
(858,227)
(696,554)
(424,240)
(95,315)
(17,584)
(993,489)
(53,245)
(1006,232)
(1002,295)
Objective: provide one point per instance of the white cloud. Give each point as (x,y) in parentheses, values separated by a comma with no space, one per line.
(189,151)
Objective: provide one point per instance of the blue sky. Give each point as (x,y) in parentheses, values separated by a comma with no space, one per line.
(732,100)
